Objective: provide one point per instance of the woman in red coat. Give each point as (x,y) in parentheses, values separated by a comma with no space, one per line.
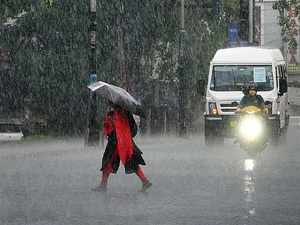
(120,128)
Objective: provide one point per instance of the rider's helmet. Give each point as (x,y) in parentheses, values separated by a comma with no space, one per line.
(252,87)
(252,90)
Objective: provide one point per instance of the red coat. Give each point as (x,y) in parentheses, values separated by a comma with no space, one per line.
(120,127)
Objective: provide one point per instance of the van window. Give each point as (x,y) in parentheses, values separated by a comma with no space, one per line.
(235,77)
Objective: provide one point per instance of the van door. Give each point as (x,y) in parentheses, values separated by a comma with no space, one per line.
(282,94)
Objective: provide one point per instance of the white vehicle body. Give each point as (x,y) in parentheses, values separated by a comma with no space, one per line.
(266,66)
(10,132)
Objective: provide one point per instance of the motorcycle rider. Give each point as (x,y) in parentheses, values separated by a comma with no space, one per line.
(251,98)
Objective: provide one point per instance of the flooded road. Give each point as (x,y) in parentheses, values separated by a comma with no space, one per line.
(49,183)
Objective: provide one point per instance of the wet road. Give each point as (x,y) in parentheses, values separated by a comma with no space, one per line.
(49,184)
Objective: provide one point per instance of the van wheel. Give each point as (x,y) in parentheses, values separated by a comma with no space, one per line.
(275,140)
(280,139)
(219,140)
(283,136)
(211,135)
(283,139)
(209,140)
(275,134)
(208,136)
(213,140)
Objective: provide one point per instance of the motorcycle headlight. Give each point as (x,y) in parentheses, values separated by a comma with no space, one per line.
(250,128)
(212,107)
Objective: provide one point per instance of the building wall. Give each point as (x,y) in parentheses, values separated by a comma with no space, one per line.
(270,29)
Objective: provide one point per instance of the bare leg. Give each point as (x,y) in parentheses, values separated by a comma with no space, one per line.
(141,175)
(104,179)
(146,183)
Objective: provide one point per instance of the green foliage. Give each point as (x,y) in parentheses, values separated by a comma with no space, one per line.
(49,52)
(9,8)
(286,22)
(232,9)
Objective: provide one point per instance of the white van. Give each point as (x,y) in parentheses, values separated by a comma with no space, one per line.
(10,131)
(230,71)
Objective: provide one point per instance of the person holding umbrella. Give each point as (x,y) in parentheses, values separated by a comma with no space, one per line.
(120,128)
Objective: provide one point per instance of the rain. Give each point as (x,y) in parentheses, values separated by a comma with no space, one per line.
(160,56)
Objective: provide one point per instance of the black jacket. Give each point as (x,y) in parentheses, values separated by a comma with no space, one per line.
(256,100)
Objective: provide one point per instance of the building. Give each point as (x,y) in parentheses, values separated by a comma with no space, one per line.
(268,31)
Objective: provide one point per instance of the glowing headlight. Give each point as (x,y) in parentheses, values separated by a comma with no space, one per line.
(212,107)
(250,128)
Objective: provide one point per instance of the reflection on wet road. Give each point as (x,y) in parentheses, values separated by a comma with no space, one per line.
(49,184)
(249,190)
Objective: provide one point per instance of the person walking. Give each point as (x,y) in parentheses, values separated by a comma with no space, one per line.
(120,128)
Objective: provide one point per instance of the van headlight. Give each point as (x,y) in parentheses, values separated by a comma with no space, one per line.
(250,128)
(268,106)
(212,108)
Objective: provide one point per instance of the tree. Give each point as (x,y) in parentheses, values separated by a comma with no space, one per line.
(49,53)
(288,20)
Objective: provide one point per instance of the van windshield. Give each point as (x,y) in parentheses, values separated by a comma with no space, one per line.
(235,77)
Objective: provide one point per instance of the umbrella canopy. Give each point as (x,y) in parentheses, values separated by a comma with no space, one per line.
(118,96)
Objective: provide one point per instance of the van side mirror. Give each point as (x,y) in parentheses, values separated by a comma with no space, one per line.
(283,87)
(201,84)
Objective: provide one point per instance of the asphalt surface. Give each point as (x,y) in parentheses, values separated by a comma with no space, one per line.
(49,183)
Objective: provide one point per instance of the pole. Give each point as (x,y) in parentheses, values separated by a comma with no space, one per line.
(244,21)
(181,76)
(251,21)
(216,8)
(182,15)
(93,134)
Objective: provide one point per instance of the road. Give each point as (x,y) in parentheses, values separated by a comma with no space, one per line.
(49,182)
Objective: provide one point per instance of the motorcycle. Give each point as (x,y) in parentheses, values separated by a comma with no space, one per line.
(252,130)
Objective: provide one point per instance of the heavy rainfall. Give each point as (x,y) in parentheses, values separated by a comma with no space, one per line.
(194,105)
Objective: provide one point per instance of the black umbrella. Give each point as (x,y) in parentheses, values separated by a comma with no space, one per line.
(117,96)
